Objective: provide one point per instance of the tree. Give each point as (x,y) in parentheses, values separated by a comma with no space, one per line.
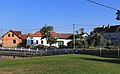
(51,39)
(46,30)
(46,33)
(78,44)
(79,34)
(96,39)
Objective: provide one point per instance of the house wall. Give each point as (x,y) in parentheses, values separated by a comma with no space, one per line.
(114,37)
(34,39)
(29,39)
(8,41)
(65,41)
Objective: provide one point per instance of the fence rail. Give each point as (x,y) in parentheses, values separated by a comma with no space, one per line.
(23,52)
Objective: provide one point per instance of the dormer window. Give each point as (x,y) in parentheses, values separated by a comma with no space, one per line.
(12,35)
(8,35)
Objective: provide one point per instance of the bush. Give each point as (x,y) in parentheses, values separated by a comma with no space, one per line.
(62,46)
(23,44)
(30,46)
(40,46)
(52,47)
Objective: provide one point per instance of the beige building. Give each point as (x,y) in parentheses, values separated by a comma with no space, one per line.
(13,38)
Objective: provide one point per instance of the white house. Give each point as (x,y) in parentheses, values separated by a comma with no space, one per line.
(36,39)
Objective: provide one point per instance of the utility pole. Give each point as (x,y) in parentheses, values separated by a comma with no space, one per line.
(74,36)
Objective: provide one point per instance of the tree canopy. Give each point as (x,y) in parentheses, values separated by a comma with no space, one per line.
(96,39)
(46,32)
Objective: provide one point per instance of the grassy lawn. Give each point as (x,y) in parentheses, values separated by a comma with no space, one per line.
(64,64)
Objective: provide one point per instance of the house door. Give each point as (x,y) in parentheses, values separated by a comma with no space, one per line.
(60,43)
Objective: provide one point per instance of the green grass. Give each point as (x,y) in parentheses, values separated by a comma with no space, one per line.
(64,64)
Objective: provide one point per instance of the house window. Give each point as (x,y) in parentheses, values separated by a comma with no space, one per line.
(47,42)
(8,35)
(36,41)
(31,41)
(12,35)
(41,42)
(14,41)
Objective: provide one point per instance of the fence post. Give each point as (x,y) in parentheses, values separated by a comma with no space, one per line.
(9,48)
(15,48)
(118,53)
(46,49)
(100,51)
(2,47)
(21,49)
(29,49)
(37,49)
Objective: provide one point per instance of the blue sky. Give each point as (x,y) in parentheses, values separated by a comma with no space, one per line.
(29,15)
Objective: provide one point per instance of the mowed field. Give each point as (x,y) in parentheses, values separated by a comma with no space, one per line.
(61,64)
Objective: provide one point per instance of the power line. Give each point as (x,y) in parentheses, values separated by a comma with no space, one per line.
(58,27)
(102,5)
(63,26)
(85,25)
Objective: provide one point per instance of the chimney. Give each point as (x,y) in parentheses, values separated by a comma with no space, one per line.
(108,26)
(103,26)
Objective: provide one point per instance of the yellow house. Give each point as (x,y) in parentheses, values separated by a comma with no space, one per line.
(13,38)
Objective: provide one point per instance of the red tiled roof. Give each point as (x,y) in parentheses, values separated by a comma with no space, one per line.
(24,36)
(38,34)
(54,34)
(64,36)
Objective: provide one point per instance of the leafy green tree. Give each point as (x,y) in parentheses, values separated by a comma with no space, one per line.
(79,34)
(51,39)
(46,33)
(96,39)
(81,44)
